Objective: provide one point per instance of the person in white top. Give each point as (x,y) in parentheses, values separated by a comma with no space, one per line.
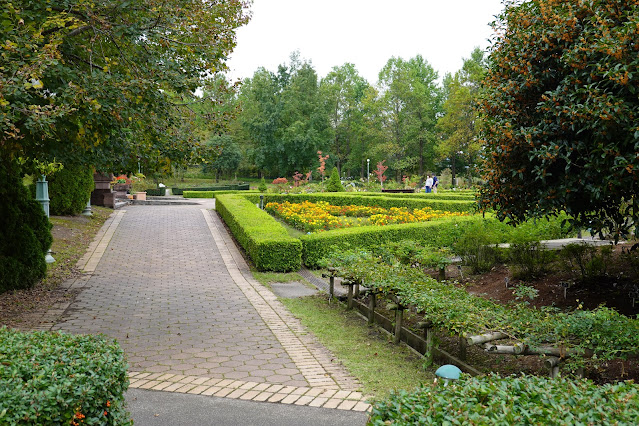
(429,184)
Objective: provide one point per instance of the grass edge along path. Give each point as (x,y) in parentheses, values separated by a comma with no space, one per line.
(379,365)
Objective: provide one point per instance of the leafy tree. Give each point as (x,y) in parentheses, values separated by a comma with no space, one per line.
(459,122)
(410,100)
(284,118)
(334,184)
(561,112)
(106,83)
(342,91)
(229,156)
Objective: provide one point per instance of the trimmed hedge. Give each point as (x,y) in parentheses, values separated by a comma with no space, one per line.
(422,195)
(230,187)
(345,199)
(439,233)
(526,400)
(25,232)
(436,233)
(264,239)
(210,194)
(54,378)
(156,192)
(70,189)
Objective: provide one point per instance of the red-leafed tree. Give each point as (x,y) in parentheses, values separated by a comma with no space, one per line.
(379,171)
(561,111)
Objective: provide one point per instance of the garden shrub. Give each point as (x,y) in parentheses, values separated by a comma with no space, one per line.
(228,187)
(262,187)
(54,379)
(525,400)
(156,192)
(589,261)
(529,258)
(267,243)
(210,194)
(334,184)
(69,190)
(477,249)
(25,233)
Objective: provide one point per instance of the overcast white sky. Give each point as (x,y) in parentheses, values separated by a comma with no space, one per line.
(364,32)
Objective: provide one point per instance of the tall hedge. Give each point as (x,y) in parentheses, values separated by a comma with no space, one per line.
(25,232)
(70,189)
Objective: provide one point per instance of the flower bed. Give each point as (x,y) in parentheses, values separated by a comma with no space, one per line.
(321,216)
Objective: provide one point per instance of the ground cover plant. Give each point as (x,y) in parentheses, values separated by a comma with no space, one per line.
(55,378)
(321,216)
(600,335)
(495,400)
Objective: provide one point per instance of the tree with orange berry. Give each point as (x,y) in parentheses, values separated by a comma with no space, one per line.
(561,113)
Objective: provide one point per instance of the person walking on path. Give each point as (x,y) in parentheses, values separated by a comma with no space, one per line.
(435,184)
(429,184)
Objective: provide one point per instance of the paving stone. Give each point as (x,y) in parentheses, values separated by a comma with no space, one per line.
(168,283)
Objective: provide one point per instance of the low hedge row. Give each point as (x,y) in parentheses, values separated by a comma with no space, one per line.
(156,192)
(264,239)
(231,187)
(470,196)
(53,379)
(439,233)
(526,400)
(211,194)
(345,199)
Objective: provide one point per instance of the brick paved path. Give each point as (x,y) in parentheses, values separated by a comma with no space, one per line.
(169,284)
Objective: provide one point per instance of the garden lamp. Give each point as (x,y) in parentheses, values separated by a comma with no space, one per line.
(448,372)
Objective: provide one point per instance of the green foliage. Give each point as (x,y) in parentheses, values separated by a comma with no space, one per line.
(156,192)
(529,258)
(25,232)
(123,79)
(525,400)
(228,187)
(229,156)
(477,248)
(262,187)
(560,108)
(459,124)
(70,189)
(523,292)
(266,242)
(55,379)
(440,233)
(334,184)
(209,194)
(602,332)
(589,261)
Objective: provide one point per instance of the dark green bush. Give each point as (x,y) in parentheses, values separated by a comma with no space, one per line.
(156,192)
(229,187)
(334,184)
(25,232)
(55,379)
(208,194)
(267,243)
(69,190)
(529,258)
(526,400)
